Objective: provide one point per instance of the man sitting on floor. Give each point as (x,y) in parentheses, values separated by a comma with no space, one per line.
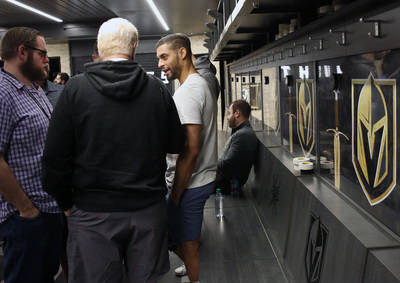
(240,151)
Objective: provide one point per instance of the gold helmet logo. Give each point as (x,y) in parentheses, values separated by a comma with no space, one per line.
(305,115)
(372,127)
(373,138)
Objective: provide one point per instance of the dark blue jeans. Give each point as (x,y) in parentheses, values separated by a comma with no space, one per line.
(32,247)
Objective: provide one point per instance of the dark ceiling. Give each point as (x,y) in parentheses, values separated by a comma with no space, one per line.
(81,18)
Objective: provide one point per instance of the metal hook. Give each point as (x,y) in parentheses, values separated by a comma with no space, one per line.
(290,53)
(265,60)
(280,55)
(303,47)
(342,41)
(377,27)
(256,4)
(320,43)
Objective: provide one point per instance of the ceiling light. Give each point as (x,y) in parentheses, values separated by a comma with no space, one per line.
(158,15)
(19,4)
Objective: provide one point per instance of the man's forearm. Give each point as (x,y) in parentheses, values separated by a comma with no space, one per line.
(186,161)
(183,172)
(11,190)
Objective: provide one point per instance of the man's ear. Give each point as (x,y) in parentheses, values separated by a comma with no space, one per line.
(134,50)
(182,53)
(237,113)
(22,52)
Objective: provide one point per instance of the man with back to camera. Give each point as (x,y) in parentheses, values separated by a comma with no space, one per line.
(61,78)
(240,151)
(31,223)
(104,162)
(195,168)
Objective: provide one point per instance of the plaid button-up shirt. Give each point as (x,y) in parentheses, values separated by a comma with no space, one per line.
(24,119)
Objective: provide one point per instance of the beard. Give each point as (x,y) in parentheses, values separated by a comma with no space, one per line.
(231,123)
(174,70)
(32,72)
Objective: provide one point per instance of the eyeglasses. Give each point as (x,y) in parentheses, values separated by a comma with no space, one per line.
(42,53)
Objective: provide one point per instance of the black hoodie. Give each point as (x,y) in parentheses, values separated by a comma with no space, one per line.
(108,138)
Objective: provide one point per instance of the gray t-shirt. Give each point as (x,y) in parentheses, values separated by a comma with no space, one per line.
(197,105)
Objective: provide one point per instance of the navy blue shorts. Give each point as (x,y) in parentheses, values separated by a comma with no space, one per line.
(185,220)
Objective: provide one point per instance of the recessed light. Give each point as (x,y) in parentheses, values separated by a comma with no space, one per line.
(19,4)
(158,15)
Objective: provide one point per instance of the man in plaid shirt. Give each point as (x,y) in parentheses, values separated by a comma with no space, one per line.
(31,223)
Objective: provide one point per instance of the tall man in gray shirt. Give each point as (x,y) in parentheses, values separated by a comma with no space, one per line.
(196,165)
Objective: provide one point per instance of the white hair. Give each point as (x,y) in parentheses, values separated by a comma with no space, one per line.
(116,36)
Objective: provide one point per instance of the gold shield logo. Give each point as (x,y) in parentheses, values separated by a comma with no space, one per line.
(305,114)
(374,136)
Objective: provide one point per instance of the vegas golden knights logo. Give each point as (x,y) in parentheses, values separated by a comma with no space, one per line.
(374,136)
(305,114)
(315,250)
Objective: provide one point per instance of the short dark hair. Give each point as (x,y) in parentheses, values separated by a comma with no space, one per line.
(242,106)
(15,37)
(64,77)
(176,41)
